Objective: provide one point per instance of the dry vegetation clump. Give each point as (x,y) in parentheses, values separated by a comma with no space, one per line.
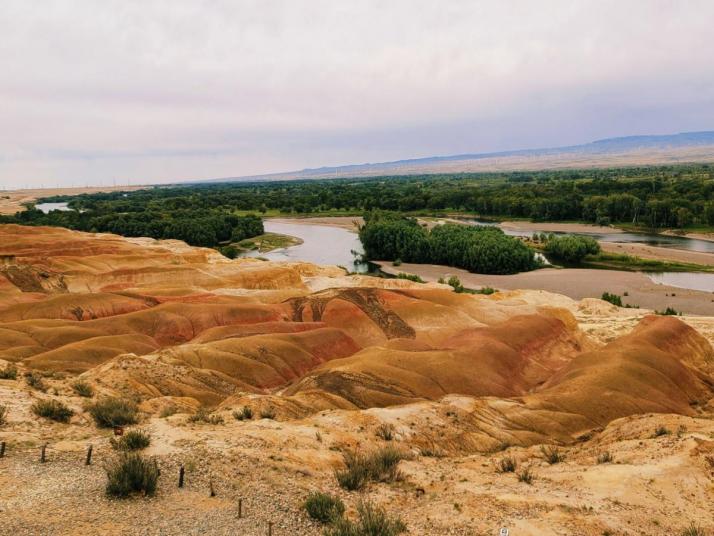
(605,457)
(693,530)
(131,473)
(377,466)
(371,521)
(35,381)
(3,414)
(203,415)
(661,431)
(82,388)
(8,373)
(385,431)
(110,412)
(268,413)
(53,410)
(506,465)
(552,454)
(526,475)
(244,414)
(132,440)
(324,507)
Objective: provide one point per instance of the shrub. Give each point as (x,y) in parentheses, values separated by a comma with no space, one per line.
(693,530)
(110,412)
(485,290)
(410,277)
(371,521)
(52,409)
(506,465)
(612,298)
(83,388)
(604,457)
(268,413)
(205,416)
(526,475)
(8,373)
(245,414)
(324,507)
(167,412)
(397,262)
(455,283)
(132,440)
(3,414)
(377,466)
(35,381)
(131,473)
(661,431)
(571,248)
(669,311)
(385,431)
(552,454)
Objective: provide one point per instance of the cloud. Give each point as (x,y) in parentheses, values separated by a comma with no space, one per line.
(156,91)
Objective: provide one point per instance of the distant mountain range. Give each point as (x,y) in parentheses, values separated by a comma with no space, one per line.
(624,151)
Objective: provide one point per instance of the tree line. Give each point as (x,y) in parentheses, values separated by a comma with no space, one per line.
(487,250)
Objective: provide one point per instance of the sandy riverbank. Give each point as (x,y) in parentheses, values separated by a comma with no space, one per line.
(558,227)
(11,201)
(577,284)
(657,253)
(343,222)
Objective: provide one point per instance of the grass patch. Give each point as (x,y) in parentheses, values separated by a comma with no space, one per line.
(268,242)
(8,373)
(131,473)
(53,410)
(168,411)
(132,440)
(371,521)
(552,455)
(378,466)
(324,507)
(385,431)
(526,476)
(506,465)
(410,277)
(245,414)
(82,388)
(618,261)
(693,530)
(110,412)
(669,311)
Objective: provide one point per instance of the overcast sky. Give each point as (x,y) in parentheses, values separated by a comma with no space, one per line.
(157,91)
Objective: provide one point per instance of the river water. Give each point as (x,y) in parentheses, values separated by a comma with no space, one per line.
(48,207)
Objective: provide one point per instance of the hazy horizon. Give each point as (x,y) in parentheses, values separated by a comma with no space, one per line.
(159,91)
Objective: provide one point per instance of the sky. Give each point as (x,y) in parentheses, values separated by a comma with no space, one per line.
(154,91)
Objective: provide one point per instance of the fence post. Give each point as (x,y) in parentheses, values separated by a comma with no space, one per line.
(2,449)
(240,508)
(270,528)
(88,461)
(43,450)
(181,472)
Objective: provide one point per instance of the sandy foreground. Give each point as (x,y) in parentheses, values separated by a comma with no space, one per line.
(12,201)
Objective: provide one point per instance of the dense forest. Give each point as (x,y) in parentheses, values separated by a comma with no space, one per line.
(650,197)
(486,250)
(195,226)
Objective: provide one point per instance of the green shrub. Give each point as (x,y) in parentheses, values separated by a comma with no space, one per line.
(571,248)
(53,410)
(506,465)
(669,311)
(612,298)
(131,473)
(245,414)
(8,373)
(132,440)
(109,412)
(397,262)
(552,454)
(35,381)
(376,466)
(485,290)
(455,283)
(371,521)
(385,431)
(83,388)
(324,507)
(410,277)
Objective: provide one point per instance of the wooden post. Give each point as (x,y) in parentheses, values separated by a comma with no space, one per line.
(240,508)
(43,450)
(181,472)
(2,449)
(210,486)
(88,461)
(270,528)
